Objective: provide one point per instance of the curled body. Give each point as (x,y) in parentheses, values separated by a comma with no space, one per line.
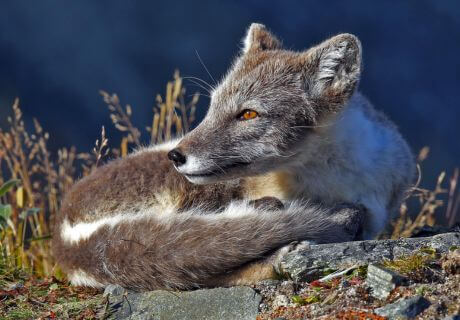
(281,124)
(169,233)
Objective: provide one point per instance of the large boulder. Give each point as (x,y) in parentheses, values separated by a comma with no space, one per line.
(237,303)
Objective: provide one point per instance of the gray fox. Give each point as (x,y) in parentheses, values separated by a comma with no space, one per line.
(221,205)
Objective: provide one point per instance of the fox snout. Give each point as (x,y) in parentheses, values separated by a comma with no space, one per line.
(196,169)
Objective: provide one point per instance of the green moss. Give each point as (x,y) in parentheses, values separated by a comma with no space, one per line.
(360,272)
(408,264)
(328,271)
(428,250)
(421,290)
(74,309)
(20,312)
(8,270)
(317,289)
(306,300)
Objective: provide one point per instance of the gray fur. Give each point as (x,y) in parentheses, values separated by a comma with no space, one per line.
(192,249)
(312,123)
(140,223)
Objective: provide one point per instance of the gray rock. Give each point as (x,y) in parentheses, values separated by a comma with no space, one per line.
(280,301)
(404,308)
(308,264)
(454,317)
(114,290)
(382,280)
(221,303)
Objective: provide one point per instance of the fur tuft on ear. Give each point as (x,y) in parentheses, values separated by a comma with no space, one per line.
(258,38)
(334,68)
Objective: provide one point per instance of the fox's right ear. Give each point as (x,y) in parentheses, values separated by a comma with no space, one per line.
(258,38)
(332,69)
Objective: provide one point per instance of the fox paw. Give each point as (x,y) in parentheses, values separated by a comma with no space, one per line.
(350,217)
(278,256)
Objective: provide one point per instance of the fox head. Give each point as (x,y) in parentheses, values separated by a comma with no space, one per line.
(267,106)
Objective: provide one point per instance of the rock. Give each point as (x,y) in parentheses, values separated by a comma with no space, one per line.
(352,292)
(382,281)
(309,263)
(454,317)
(404,308)
(280,301)
(221,303)
(13,286)
(287,288)
(451,262)
(114,290)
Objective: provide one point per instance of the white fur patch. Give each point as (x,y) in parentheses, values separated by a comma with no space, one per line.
(354,159)
(328,64)
(83,230)
(239,209)
(81,278)
(192,165)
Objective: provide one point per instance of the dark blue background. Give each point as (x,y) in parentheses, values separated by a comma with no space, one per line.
(56,55)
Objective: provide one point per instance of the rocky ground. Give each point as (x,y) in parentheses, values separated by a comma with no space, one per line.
(415,278)
(387,279)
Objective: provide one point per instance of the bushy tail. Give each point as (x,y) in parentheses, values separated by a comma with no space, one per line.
(186,250)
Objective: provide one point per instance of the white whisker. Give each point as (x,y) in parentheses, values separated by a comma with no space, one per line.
(204,66)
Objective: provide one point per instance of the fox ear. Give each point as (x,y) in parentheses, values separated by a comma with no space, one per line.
(258,38)
(333,69)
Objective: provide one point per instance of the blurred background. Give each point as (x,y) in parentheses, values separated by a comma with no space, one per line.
(56,56)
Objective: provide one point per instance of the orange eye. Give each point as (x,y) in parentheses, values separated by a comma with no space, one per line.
(248,115)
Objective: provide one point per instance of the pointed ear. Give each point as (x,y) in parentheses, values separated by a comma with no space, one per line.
(259,38)
(333,69)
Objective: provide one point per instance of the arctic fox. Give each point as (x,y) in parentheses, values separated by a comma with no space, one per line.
(284,130)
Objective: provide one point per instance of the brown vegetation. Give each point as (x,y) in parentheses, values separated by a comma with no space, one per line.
(34,180)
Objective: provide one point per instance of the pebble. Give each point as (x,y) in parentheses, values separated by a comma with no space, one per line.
(113,290)
(280,301)
(404,308)
(382,281)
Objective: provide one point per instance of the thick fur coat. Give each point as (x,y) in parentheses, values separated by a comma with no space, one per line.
(284,130)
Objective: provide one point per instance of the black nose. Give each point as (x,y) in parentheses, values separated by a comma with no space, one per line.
(177,157)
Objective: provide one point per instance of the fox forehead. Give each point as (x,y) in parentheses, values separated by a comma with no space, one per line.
(305,86)
(261,75)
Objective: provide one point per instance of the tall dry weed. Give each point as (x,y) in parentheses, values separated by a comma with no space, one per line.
(34,179)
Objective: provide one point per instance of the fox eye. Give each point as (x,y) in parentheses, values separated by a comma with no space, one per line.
(248,115)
